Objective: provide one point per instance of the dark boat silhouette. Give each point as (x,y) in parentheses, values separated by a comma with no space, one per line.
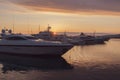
(20,63)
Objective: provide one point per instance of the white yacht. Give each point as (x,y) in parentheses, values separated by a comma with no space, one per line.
(29,45)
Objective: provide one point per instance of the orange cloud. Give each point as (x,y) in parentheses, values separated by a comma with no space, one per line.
(72,6)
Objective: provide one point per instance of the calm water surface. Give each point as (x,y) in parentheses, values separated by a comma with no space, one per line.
(93,62)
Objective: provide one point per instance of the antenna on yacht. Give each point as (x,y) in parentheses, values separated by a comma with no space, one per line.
(31,31)
(28,24)
(13,24)
(65,33)
(28,29)
(13,28)
(39,29)
(48,28)
(94,33)
(64,36)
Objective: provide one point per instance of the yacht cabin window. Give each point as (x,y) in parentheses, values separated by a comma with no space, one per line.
(30,37)
(15,38)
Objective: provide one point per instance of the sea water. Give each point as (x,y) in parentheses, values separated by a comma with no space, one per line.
(90,62)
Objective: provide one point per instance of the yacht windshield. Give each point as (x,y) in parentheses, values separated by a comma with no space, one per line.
(15,38)
(30,37)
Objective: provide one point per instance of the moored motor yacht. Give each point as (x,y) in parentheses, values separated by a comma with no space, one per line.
(29,45)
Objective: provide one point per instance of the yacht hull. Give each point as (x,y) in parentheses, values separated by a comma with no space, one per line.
(34,50)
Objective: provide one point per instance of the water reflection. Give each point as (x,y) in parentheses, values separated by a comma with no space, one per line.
(95,55)
(17,63)
(93,62)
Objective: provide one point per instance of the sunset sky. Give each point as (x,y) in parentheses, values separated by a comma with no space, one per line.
(61,15)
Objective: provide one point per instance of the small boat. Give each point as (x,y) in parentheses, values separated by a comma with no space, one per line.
(88,39)
(31,46)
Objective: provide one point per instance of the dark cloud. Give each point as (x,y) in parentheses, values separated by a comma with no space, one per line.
(70,5)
